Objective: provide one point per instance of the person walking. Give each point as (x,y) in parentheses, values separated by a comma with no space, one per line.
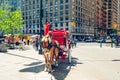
(36,43)
(75,42)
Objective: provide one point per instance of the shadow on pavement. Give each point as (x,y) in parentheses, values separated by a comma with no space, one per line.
(59,73)
(64,68)
(22,56)
(116,60)
(32,64)
(35,67)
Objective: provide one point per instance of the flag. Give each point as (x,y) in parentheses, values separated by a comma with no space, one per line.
(47,28)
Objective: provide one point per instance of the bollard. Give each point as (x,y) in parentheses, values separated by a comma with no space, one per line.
(111,44)
(101,44)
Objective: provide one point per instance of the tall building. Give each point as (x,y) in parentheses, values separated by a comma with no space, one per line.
(101,17)
(118,17)
(14,4)
(112,15)
(0,2)
(107,16)
(61,13)
(31,15)
(91,17)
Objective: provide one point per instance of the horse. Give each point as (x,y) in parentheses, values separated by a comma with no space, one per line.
(50,52)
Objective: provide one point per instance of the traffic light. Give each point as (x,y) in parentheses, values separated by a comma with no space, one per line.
(115,26)
(73,24)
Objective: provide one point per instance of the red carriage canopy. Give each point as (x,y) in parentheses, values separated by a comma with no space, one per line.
(60,35)
(47,28)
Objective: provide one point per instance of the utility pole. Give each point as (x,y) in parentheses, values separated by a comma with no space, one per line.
(95,18)
(41,16)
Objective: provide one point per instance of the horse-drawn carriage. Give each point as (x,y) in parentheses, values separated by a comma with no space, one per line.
(56,44)
(62,36)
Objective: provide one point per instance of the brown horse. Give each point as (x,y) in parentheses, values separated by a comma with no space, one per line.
(50,51)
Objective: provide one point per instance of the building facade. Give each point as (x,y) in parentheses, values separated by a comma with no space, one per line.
(91,17)
(14,4)
(101,17)
(112,15)
(118,17)
(31,15)
(60,13)
(106,16)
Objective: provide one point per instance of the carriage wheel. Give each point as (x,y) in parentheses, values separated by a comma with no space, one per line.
(69,57)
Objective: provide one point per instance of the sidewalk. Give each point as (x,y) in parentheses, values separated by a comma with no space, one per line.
(20,65)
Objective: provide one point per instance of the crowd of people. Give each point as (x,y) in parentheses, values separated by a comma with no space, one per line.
(20,41)
(73,43)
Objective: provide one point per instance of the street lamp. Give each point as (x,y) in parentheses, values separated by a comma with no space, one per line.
(41,16)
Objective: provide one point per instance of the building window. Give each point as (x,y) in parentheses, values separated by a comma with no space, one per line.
(56,19)
(56,14)
(66,23)
(66,6)
(46,5)
(67,12)
(37,31)
(29,31)
(34,31)
(50,14)
(66,1)
(61,18)
(38,21)
(51,3)
(61,7)
(61,24)
(61,12)
(66,18)
(61,1)
(56,8)
(51,9)
(29,26)
(33,2)
(56,25)
(56,2)
(50,19)
(33,21)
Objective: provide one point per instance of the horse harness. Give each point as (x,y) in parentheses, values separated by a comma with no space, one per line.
(50,45)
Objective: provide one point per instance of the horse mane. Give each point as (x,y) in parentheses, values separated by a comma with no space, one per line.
(46,38)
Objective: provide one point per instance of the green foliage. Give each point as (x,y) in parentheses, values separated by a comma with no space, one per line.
(10,21)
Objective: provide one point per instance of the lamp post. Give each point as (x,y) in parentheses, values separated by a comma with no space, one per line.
(41,15)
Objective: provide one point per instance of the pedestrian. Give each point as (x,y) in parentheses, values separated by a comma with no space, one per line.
(28,42)
(72,43)
(24,42)
(75,42)
(117,43)
(36,43)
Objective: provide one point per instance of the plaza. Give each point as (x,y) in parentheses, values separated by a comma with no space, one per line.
(89,62)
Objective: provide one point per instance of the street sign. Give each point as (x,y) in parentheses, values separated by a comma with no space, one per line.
(115,26)
(73,24)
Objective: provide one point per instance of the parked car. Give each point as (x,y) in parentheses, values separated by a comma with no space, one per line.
(88,39)
(108,40)
(101,40)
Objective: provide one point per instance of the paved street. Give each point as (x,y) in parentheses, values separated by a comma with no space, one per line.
(89,62)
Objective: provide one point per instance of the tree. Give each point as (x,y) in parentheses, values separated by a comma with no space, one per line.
(10,21)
